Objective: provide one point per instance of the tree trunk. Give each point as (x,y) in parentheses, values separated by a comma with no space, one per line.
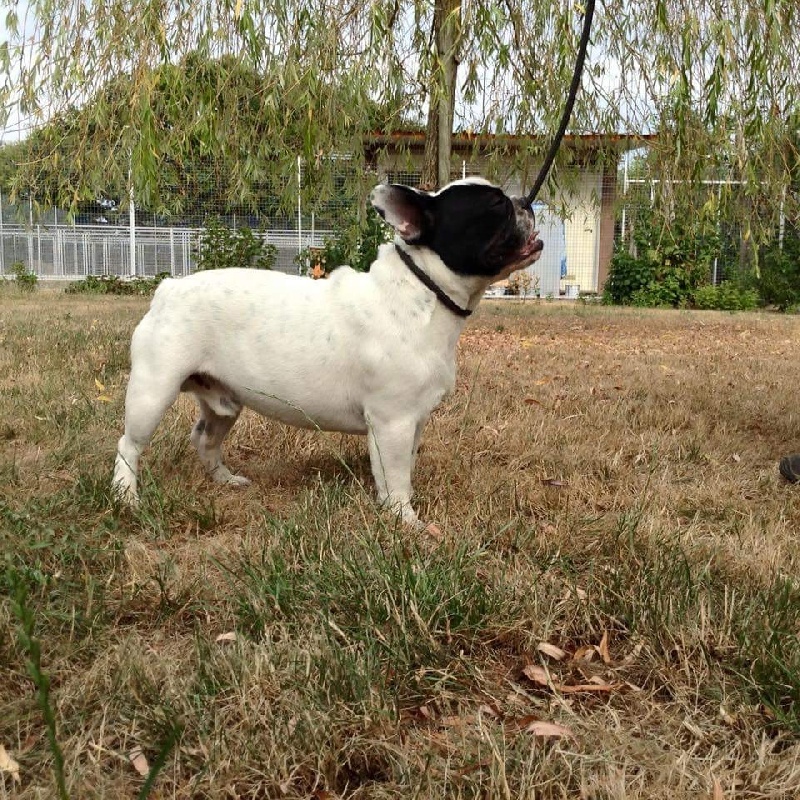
(441,104)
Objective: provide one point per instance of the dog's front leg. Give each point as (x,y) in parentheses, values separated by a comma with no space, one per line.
(392,446)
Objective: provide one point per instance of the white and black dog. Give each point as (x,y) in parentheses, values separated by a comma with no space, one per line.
(368,353)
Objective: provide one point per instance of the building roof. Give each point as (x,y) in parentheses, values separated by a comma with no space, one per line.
(415,138)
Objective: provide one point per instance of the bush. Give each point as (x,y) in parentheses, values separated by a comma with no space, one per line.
(522,283)
(356,244)
(666,275)
(26,281)
(778,281)
(728,296)
(112,284)
(670,258)
(627,276)
(221,247)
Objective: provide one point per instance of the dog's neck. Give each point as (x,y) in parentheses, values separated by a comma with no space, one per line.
(465,291)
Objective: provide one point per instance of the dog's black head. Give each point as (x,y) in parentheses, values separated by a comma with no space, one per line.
(473,226)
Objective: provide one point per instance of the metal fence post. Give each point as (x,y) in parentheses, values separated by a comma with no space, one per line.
(624,197)
(2,240)
(132,218)
(30,234)
(299,205)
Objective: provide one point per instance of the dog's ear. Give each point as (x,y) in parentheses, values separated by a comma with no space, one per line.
(408,211)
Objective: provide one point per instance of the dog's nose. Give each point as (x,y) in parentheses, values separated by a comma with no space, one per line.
(522,204)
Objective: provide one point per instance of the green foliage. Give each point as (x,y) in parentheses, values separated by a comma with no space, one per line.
(727,296)
(198,132)
(355,244)
(778,279)
(17,589)
(221,246)
(25,280)
(662,280)
(627,276)
(113,284)
(670,257)
(666,277)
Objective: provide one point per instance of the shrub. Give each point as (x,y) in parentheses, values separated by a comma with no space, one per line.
(221,247)
(355,244)
(112,284)
(522,283)
(670,257)
(627,276)
(666,275)
(728,296)
(778,281)
(26,281)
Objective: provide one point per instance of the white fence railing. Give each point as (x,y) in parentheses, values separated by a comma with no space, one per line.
(71,252)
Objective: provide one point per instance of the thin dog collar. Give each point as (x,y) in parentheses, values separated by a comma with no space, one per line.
(449,304)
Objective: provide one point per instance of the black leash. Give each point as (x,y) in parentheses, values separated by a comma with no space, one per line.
(545,168)
(573,91)
(449,304)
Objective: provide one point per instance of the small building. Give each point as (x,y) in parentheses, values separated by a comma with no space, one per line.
(576,225)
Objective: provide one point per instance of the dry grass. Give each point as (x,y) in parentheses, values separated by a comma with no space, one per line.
(606,481)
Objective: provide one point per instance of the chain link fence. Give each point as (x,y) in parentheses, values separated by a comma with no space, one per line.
(726,217)
(109,238)
(105,238)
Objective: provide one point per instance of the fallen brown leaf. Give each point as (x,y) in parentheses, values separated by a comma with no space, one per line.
(603,649)
(536,674)
(540,676)
(576,688)
(542,728)
(9,765)
(518,724)
(137,758)
(434,531)
(584,653)
(551,650)
(554,482)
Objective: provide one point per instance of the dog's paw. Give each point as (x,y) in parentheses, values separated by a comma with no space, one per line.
(224,476)
(125,496)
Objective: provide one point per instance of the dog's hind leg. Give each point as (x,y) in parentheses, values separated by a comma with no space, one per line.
(207,436)
(147,400)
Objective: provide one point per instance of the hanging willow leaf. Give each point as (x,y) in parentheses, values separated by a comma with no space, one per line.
(177,93)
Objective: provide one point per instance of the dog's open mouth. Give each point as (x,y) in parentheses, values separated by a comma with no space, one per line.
(533,246)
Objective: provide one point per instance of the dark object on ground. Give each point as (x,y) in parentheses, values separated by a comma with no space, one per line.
(790,467)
